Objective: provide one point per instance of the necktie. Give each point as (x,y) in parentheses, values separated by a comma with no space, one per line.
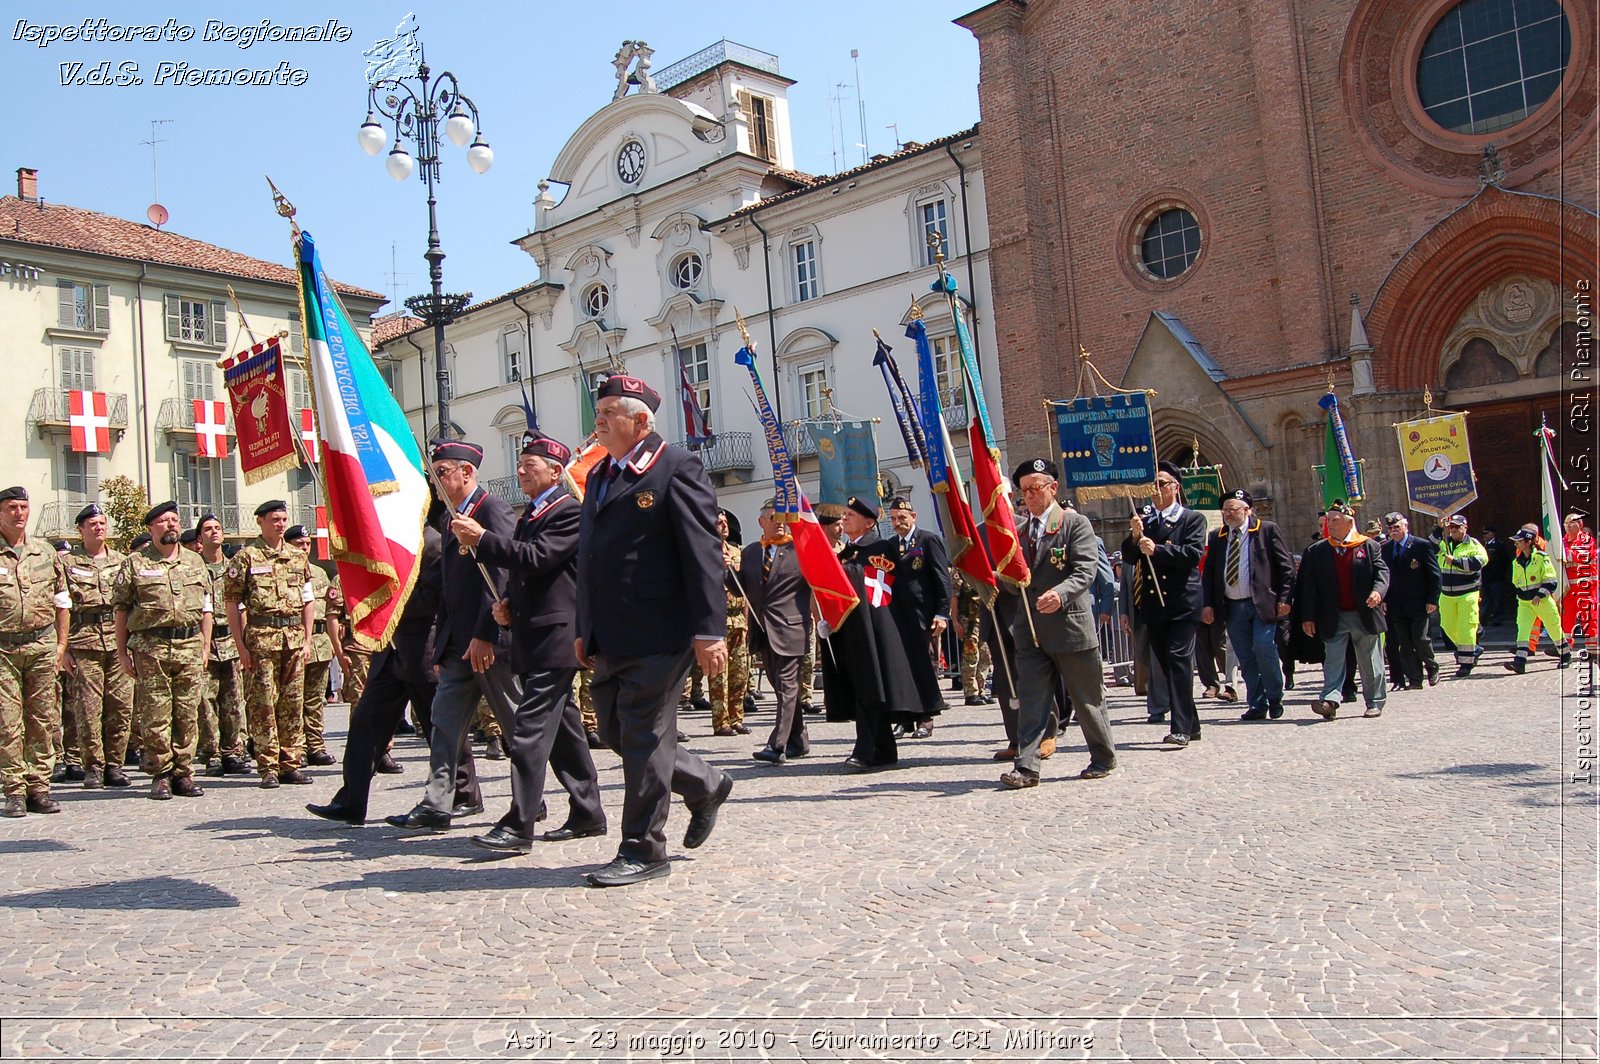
(612,469)
(766,561)
(1138,584)
(1231,573)
(1033,535)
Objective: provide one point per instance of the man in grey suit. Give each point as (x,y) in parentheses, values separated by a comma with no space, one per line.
(1063,558)
(780,600)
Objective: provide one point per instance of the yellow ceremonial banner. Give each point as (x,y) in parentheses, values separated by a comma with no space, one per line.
(1438,463)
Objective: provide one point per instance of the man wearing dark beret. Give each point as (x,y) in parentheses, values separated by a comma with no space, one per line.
(539,608)
(921,603)
(1163,547)
(471,650)
(1247,584)
(163,602)
(100,694)
(270,582)
(649,602)
(30,698)
(222,726)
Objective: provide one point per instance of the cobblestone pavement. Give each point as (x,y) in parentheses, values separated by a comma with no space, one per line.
(1420,886)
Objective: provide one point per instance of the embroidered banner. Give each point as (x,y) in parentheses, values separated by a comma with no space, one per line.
(262,428)
(1438,463)
(1107,444)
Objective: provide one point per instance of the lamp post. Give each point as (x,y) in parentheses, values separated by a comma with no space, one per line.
(416,104)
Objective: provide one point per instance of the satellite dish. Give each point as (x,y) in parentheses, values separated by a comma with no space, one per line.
(157,214)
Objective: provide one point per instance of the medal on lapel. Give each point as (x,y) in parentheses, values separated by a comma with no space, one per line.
(645,499)
(1058,557)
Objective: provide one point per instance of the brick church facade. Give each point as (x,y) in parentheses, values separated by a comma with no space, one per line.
(1234,204)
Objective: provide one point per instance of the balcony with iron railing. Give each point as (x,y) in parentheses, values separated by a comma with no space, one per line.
(56,519)
(50,411)
(507,489)
(190,513)
(177,415)
(797,438)
(728,452)
(724,51)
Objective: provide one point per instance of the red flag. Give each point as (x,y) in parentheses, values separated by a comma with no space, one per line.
(88,415)
(967,555)
(210,428)
(322,533)
(254,380)
(820,567)
(308,435)
(1005,547)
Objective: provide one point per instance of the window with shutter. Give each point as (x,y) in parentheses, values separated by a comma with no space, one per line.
(84,307)
(697,367)
(80,475)
(228,482)
(511,355)
(102,308)
(297,333)
(77,369)
(299,393)
(758,113)
(198,380)
(174,318)
(219,323)
(933,221)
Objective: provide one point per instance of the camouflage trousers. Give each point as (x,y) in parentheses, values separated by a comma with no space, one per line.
(580,684)
(102,707)
(221,713)
(64,740)
(355,677)
(728,688)
(273,688)
(30,713)
(314,702)
(168,682)
(974,661)
(808,669)
(694,685)
(485,721)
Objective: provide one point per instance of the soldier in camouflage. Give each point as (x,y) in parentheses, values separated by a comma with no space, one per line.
(221,700)
(270,581)
(325,634)
(355,661)
(34,603)
(101,694)
(591,727)
(163,606)
(974,651)
(729,687)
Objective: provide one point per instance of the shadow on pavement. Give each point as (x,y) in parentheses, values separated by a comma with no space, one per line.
(34,846)
(438,879)
(148,892)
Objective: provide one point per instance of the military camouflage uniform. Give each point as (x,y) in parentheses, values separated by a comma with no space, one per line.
(221,707)
(808,668)
(580,684)
(272,586)
(64,743)
(318,663)
(359,660)
(728,689)
(33,584)
(974,652)
(166,601)
(101,693)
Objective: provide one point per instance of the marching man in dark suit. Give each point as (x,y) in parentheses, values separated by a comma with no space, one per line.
(465,644)
(780,600)
(1342,583)
(1411,602)
(650,602)
(921,601)
(541,609)
(1063,557)
(1249,584)
(1163,547)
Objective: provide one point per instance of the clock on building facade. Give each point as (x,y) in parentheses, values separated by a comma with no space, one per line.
(630,162)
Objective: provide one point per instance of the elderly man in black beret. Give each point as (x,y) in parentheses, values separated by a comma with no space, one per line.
(650,602)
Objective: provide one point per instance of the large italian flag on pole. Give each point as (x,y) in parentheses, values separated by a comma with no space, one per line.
(376,490)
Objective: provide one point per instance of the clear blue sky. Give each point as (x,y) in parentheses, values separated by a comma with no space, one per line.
(535,70)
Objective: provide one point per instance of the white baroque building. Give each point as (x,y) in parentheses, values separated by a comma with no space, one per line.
(679,209)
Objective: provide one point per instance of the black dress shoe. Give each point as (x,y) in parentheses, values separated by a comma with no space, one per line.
(898,731)
(321,757)
(335,812)
(855,764)
(594,740)
(421,817)
(769,755)
(1174,739)
(115,777)
(388,766)
(461,809)
(809,710)
(566,833)
(749,703)
(75,774)
(294,775)
(703,704)
(740,729)
(236,765)
(627,870)
(923,731)
(502,839)
(702,820)
(1254,714)
(975,700)
(1156,718)
(792,752)
(405,727)
(1275,710)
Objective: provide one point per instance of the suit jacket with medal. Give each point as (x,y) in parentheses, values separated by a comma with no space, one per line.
(1065,559)
(542,556)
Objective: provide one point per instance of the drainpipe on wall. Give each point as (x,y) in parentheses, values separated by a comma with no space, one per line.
(527,330)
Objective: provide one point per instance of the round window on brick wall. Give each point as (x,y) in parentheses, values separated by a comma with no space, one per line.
(686,271)
(1169,243)
(1488,64)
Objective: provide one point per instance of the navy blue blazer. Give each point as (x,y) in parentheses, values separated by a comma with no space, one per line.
(465,602)
(921,578)
(649,557)
(1176,560)
(1413,576)
(542,556)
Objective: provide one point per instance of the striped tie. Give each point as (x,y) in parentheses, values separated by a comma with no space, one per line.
(1138,585)
(1231,573)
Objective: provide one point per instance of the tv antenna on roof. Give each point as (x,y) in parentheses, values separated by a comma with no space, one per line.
(157,213)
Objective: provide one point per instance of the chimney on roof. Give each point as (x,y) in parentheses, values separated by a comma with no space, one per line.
(27,184)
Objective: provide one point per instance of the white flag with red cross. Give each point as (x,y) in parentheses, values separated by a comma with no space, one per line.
(322,533)
(308,434)
(880,586)
(211,428)
(88,414)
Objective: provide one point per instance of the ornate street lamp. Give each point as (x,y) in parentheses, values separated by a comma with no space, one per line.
(401,91)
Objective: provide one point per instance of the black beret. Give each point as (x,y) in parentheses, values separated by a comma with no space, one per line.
(92,510)
(188,536)
(62,546)
(207,516)
(1243,496)
(271,506)
(296,532)
(17,492)
(1036,465)
(900,502)
(1171,470)
(629,388)
(862,507)
(537,443)
(456,451)
(158,510)
(141,540)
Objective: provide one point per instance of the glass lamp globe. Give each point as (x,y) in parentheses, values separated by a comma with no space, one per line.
(400,163)
(480,156)
(371,135)
(459,128)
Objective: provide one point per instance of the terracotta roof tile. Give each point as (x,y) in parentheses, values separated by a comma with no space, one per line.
(807,182)
(392,327)
(76,229)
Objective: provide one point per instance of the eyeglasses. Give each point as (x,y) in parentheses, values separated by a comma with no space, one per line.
(1040,489)
(1166,483)
(446,471)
